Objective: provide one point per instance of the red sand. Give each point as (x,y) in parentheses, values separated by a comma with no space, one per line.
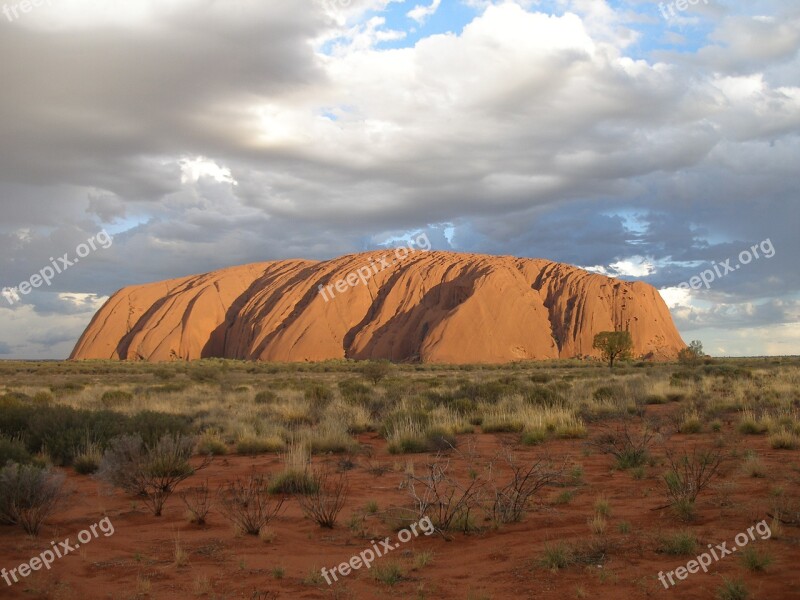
(491,564)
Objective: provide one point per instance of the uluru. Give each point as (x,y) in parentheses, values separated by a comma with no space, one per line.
(431,306)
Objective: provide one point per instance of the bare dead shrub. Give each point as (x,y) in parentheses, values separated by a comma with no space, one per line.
(248,504)
(198,502)
(687,476)
(449,502)
(512,499)
(327,499)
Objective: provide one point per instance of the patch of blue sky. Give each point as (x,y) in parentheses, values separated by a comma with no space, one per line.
(685,32)
(633,220)
(451,17)
(663,30)
(125,224)
(329,114)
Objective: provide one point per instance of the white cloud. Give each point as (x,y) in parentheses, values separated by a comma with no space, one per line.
(675,296)
(421,13)
(634,266)
(193,169)
(27,333)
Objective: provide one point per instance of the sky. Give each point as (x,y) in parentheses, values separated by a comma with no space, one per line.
(642,141)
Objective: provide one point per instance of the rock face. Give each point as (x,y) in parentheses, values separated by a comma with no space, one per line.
(438,307)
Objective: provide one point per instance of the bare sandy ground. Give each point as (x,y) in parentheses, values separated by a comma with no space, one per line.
(138,560)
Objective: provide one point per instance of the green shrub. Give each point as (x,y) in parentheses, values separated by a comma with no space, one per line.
(439,439)
(784,439)
(13,449)
(655,399)
(152,426)
(88,458)
(681,543)
(755,560)
(170,388)
(64,389)
(558,556)
(541,395)
(540,378)
(205,373)
(29,495)
(502,425)
(376,370)
(749,424)
(686,376)
(691,423)
(354,390)
(565,497)
(417,418)
(606,392)
(533,438)
(62,430)
(410,437)
(266,397)
(211,444)
(12,399)
(163,374)
(42,398)
(488,391)
(292,482)
(408,445)
(116,398)
(727,371)
(389,573)
(318,393)
(732,590)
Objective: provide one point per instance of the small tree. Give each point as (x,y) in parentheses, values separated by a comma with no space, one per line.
(693,353)
(376,370)
(613,345)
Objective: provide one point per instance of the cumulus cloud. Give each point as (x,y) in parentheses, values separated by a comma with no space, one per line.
(420,13)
